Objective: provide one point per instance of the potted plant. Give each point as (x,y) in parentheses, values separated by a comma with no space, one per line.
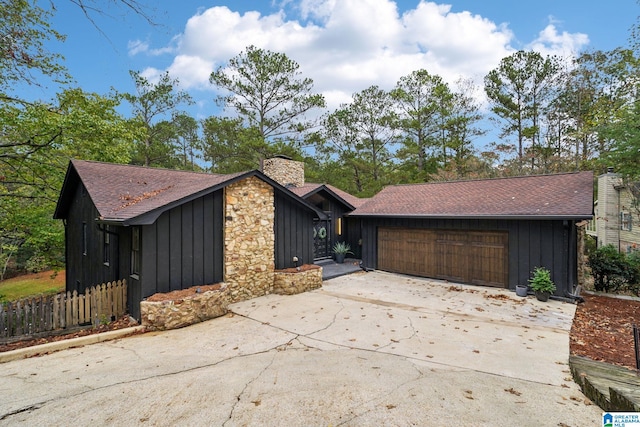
(341,249)
(541,283)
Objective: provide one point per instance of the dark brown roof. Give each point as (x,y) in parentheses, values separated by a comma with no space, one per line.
(309,188)
(567,195)
(121,192)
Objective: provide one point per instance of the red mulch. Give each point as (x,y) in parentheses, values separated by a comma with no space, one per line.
(304,267)
(182,293)
(602,330)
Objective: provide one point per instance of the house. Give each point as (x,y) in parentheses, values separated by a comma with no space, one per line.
(491,232)
(615,214)
(336,204)
(166,230)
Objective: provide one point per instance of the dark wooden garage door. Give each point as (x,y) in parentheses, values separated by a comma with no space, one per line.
(476,257)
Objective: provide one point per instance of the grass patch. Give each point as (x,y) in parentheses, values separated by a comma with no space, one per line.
(46,282)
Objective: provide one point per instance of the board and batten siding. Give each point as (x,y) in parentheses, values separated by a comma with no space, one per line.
(183,247)
(293,232)
(84,246)
(532,243)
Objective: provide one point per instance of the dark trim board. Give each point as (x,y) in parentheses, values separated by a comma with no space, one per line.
(531,243)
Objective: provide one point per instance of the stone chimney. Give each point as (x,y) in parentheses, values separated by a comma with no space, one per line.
(284,170)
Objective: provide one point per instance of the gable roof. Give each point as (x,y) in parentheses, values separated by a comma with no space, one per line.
(308,189)
(138,195)
(566,196)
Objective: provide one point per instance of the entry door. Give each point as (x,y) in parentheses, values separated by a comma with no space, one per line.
(321,239)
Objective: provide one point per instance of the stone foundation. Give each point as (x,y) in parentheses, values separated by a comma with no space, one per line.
(173,314)
(287,282)
(178,313)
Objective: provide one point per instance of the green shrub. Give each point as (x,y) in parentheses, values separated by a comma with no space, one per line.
(590,244)
(607,266)
(633,274)
(541,281)
(614,271)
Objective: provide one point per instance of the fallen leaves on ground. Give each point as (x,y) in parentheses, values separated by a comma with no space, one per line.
(602,330)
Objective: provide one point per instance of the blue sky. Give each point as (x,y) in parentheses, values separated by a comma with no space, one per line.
(343,45)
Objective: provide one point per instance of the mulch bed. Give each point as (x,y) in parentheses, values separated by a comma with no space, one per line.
(602,330)
(304,267)
(182,293)
(121,323)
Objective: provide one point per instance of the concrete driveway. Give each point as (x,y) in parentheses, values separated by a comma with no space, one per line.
(366,349)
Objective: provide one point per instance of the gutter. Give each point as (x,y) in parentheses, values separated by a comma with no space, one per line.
(444,216)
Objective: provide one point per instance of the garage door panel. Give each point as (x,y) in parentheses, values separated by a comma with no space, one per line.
(408,251)
(451,256)
(488,256)
(476,257)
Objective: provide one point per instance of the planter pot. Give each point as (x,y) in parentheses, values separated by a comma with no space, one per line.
(521,290)
(340,258)
(543,296)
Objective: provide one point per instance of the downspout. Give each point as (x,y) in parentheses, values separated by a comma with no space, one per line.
(619,218)
(565,255)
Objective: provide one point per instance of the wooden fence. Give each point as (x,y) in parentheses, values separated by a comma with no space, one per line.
(34,316)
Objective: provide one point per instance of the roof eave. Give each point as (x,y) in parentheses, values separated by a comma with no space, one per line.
(150,217)
(509,217)
(332,193)
(71,179)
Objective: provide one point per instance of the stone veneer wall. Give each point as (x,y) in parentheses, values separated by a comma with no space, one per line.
(284,171)
(290,283)
(583,259)
(249,239)
(173,314)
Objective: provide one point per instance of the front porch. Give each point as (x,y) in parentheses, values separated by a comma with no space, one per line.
(331,269)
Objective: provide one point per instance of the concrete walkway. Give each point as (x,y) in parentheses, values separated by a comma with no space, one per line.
(366,349)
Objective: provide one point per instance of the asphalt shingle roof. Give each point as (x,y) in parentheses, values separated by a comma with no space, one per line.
(567,195)
(121,192)
(309,187)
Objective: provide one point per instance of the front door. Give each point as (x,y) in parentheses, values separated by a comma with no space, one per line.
(321,239)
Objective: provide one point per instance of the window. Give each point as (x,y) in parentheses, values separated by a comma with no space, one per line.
(106,249)
(135,251)
(84,238)
(339,227)
(625,221)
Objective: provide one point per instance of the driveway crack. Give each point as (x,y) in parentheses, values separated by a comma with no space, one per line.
(251,381)
(378,398)
(21,410)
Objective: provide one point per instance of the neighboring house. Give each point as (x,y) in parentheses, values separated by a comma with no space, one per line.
(487,232)
(165,230)
(616,214)
(335,203)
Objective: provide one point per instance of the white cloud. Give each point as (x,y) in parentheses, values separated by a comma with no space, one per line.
(550,42)
(348,45)
(135,47)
